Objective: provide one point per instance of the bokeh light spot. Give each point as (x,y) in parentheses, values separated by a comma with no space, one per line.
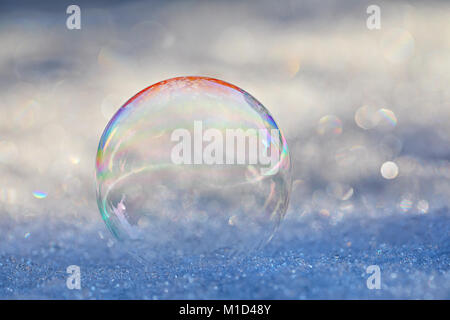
(423,206)
(389,170)
(329,125)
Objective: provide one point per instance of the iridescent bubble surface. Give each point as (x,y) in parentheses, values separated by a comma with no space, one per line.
(329,125)
(39,194)
(148,198)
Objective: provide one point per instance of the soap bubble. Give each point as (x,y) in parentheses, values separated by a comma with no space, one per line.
(329,125)
(388,120)
(174,175)
(366,117)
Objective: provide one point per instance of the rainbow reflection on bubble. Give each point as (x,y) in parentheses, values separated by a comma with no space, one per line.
(147,199)
(329,124)
(388,116)
(39,194)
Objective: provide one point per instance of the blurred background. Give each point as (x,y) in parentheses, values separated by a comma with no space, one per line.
(365,113)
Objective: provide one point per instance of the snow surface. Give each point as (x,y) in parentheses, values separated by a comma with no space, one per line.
(325,262)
